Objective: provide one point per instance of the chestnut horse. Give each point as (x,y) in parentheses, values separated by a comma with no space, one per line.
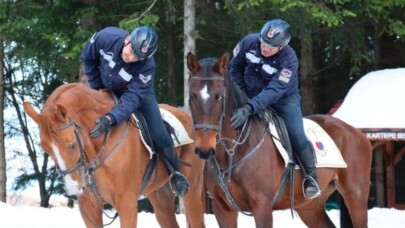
(110,169)
(245,169)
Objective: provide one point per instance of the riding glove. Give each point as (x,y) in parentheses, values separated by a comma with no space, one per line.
(240,115)
(103,125)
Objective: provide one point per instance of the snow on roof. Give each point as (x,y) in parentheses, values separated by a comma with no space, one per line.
(377,100)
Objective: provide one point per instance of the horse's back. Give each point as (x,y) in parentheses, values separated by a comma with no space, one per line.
(352,143)
(340,131)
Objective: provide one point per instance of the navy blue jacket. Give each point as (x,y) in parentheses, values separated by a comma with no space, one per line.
(105,69)
(264,79)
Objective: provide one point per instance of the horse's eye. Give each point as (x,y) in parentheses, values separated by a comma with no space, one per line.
(192,96)
(72,147)
(218,97)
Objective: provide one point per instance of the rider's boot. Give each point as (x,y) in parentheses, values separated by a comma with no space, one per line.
(177,181)
(306,159)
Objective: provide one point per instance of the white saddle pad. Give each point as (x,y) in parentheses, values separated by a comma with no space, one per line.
(180,132)
(327,153)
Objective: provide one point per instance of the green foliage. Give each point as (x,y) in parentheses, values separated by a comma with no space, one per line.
(134,21)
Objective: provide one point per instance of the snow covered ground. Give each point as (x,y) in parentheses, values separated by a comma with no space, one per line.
(23,211)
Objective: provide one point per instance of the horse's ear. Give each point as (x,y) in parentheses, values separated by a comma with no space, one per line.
(192,63)
(61,113)
(31,112)
(222,63)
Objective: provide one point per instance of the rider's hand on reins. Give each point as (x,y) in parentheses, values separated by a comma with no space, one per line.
(103,125)
(240,115)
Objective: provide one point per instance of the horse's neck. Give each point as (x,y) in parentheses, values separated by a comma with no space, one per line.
(84,105)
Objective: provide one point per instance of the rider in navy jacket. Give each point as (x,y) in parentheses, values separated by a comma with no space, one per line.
(266,68)
(105,68)
(264,79)
(123,63)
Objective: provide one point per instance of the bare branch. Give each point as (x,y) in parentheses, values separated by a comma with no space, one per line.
(144,12)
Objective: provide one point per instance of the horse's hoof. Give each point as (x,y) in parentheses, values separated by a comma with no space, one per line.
(179,183)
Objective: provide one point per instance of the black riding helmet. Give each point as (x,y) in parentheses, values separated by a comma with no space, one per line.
(144,42)
(275,33)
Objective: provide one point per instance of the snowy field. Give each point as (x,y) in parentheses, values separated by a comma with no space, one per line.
(22,212)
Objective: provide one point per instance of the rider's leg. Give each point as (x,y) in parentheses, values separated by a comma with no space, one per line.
(289,108)
(163,141)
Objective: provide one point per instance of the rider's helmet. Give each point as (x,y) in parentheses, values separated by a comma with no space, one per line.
(275,33)
(144,42)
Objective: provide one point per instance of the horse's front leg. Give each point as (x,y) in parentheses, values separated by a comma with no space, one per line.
(263,213)
(162,201)
(127,209)
(227,217)
(90,210)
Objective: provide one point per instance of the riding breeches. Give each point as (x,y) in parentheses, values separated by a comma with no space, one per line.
(289,108)
(151,113)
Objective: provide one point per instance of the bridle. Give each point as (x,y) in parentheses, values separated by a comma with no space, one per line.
(89,167)
(83,157)
(205,126)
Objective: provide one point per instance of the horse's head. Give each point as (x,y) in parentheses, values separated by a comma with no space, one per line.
(207,92)
(64,124)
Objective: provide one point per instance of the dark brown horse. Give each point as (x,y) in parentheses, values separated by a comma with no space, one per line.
(111,169)
(246,172)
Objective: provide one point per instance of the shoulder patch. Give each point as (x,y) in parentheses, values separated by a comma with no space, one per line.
(145,79)
(285,75)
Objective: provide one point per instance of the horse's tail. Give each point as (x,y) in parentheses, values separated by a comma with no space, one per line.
(345,220)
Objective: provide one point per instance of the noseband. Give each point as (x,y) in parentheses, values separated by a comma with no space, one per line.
(205,126)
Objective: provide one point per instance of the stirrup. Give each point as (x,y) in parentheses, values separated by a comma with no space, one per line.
(316,189)
(173,185)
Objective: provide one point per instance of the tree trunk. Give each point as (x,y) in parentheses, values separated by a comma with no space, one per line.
(88,21)
(307,69)
(3,176)
(44,194)
(171,76)
(189,43)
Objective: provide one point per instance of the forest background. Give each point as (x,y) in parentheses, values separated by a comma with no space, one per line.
(337,41)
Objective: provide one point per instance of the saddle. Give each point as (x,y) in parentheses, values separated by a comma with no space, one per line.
(278,131)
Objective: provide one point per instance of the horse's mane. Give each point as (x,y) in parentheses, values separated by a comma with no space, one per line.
(68,95)
(239,97)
